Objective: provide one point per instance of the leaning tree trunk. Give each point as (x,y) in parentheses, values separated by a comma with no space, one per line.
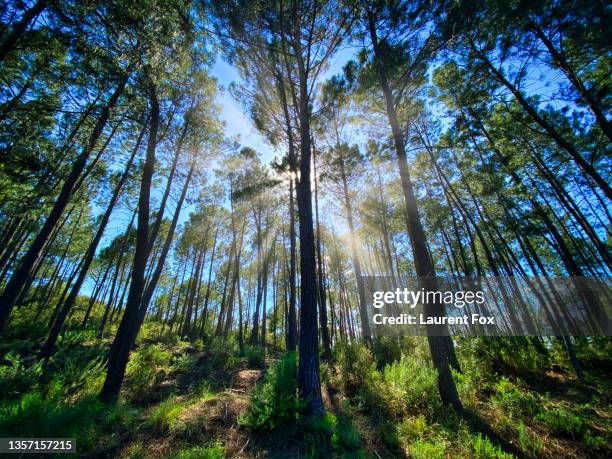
(441,349)
(128,328)
(28,262)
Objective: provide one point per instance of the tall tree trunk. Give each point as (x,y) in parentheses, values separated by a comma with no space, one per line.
(327,352)
(440,347)
(309,382)
(363,311)
(128,328)
(23,272)
(292,316)
(89,256)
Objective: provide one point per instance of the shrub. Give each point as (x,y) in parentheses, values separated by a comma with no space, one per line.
(562,421)
(424,449)
(15,377)
(516,400)
(166,415)
(387,349)
(510,355)
(355,364)
(482,448)
(255,356)
(407,386)
(146,370)
(412,428)
(221,353)
(275,401)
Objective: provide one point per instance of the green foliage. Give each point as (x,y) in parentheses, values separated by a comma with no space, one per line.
(516,400)
(425,449)
(166,415)
(346,436)
(78,378)
(562,421)
(17,378)
(523,356)
(482,448)
(213,451)
(146,369)
(407,386)
(35,416)
(255,356)
(275,400)
(412,428)
(388,349)
(354,363)
(532,444)
(220,353)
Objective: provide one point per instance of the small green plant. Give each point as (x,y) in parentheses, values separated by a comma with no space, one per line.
(275,400)
(166,415)
(255,356)
(531,444)
(425,449)
(594,441)
(346,436)
(355,364)
(514,399)
(35,416)
(214,451)
(412,428)
(482,448)
(562,421)
(408,385)
(146,370)
(17,378)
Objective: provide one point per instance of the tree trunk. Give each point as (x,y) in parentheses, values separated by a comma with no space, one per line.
(440,346)
(22,273)
(128,328)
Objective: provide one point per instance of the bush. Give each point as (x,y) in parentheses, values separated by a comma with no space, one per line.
(562,421)
(409,385)
(411,429)
(424,449)
(255,356)
(146,369)
(221,353)
(387,349)
(355,364)
(516,400)
(15,377)
(275,400)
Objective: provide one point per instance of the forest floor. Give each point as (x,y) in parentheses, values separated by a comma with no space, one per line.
(206,406)
(182,400)
(211,417)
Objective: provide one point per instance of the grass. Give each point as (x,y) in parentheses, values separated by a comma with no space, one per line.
(213,451)
(178,401)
